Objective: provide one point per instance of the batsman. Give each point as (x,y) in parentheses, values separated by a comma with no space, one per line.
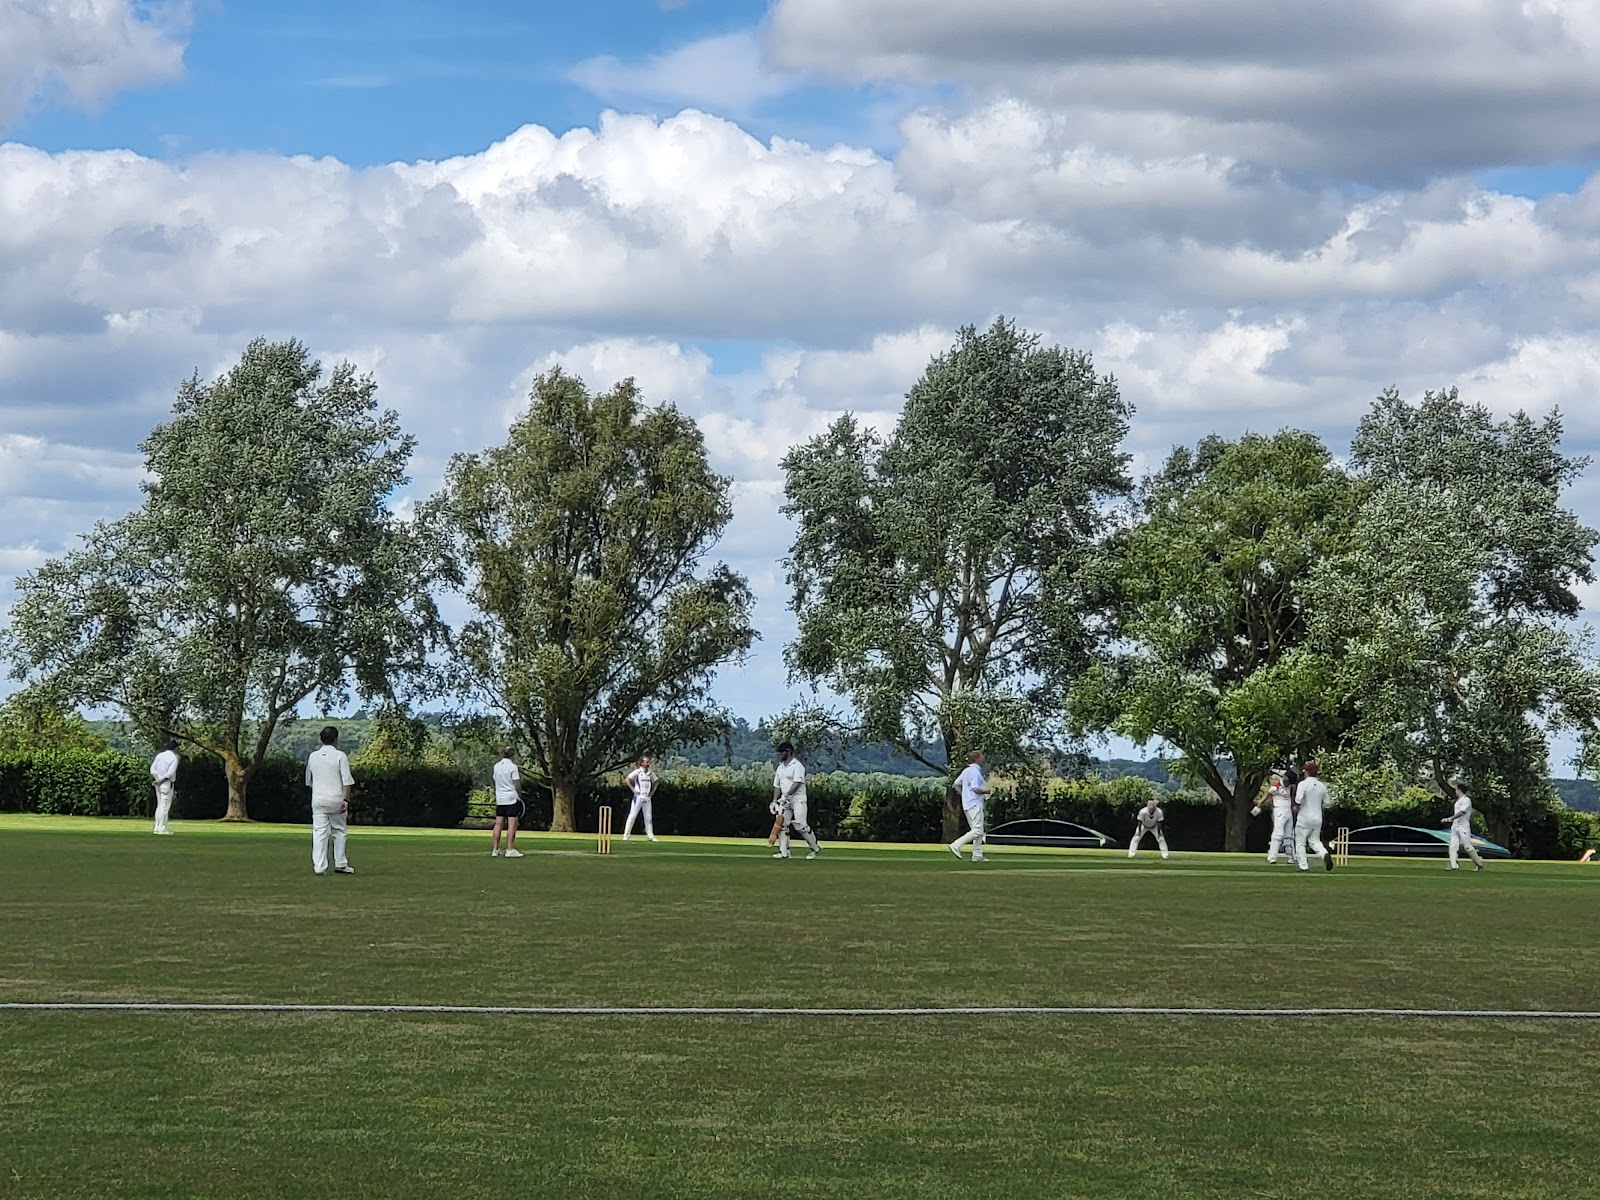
(789,803)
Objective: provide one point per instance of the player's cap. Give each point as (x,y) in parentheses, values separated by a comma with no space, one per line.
(1309,768)
(785,747)
(170,744)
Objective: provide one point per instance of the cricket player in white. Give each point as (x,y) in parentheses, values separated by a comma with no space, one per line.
(789,799)
(164,774)
(1461,829)
(1282,818)
(328,776)
(508,806)
(641,782)
(1150,819)
(1312,795)
(973,791)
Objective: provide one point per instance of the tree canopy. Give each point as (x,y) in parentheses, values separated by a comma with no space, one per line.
(945,579)
(264,568)
(579,542)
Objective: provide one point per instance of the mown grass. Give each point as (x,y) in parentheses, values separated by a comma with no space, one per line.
(298,1105)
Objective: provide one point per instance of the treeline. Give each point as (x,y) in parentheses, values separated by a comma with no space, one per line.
(987,575)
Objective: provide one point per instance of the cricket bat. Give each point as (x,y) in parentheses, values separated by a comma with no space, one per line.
(777,828)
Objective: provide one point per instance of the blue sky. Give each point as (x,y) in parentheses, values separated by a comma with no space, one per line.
(773,211)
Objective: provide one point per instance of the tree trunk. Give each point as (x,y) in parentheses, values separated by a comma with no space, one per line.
(563,802)
(238,782)
(1237,808)
(952,813)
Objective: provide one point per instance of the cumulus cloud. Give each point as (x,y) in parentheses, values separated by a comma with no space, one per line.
(764,287)
(82,51)
(727,73)
(1374,89)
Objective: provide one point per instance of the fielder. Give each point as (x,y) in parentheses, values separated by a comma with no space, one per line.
(1149,819)
(1282,819)
(164,774)
(789,801)
(508,804)
(1460,824)
(973,792)
(328,776)
(1312,795)
(641,782)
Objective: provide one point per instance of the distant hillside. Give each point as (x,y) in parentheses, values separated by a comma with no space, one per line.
(1579,794)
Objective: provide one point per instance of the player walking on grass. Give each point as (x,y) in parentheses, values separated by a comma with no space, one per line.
(328,776)
(789,801)
(641,782)
(1461,829)
(974,790)
(164,774)
(1150,819)
(1312,795)
(1282,818)
(508,804)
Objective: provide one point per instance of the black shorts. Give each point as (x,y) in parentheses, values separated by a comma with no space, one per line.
(508,812)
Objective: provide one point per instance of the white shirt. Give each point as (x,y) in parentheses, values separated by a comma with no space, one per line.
(505,782)
(1281,802)
(969,781)
(787,774)
(328,774)
(1151,818)
(1461,817)
(1312,795)
(643,781)
(164,769)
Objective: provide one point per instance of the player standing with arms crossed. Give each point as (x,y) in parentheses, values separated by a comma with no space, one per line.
(328,776)
(164,774)
(1460,823)
(789,801)
(508,804)
(974,790)
(1149,819)
(1312,795)
(641,782)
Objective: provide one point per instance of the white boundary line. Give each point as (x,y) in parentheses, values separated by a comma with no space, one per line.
(1467,1014)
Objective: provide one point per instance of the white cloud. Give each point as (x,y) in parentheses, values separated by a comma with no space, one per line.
(83,51)
(1381,89)
(726,73)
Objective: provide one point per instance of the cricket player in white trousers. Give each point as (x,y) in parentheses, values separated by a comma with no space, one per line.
(1282,818)
(328,776)
(1150,819)
(1312,795)
(1461,829)
(164,774)
(641,782)
(789,801)
(973,792)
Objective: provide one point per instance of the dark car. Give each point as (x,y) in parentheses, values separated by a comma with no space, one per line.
(1415,841)
(1043,831)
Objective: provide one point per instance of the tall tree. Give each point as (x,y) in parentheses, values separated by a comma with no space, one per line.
(32,720)
(1212,584)
(1449,610)
(579,542)
(263,569)
(945,578)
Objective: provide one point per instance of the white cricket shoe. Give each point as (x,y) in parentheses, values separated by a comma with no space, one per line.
(812,855)
(979,858)
(954,849)
(513,853)
(652,837)
(344,870)
(494,854)
(627,837)
(781,854)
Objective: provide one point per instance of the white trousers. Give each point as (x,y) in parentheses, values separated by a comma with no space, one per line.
(1282,834)
(1138,836)
(327,825)
(641,804)
(1308,831)
(795,810)
(1461,839)
(974,835)
(163,805)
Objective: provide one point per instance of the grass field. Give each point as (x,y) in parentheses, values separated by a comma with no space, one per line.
(280,1105)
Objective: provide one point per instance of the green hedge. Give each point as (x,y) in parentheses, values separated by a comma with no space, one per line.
(111,784)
